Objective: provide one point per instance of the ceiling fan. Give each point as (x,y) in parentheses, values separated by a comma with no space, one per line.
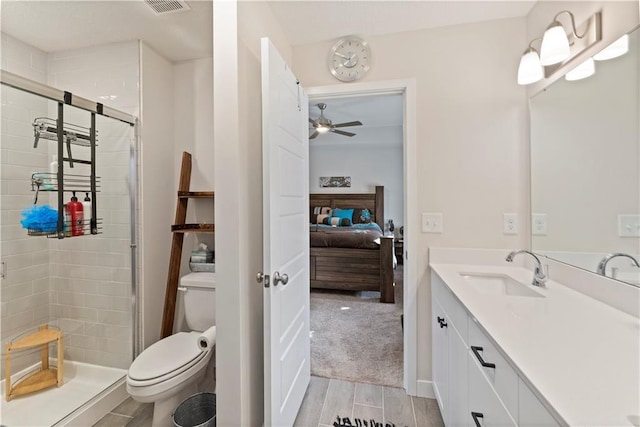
(324,125)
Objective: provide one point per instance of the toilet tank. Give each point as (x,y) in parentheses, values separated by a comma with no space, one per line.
(199,290)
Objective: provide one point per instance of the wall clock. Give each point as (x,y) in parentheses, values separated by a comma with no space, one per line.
(349,59)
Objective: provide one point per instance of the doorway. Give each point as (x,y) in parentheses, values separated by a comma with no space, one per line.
(406,269)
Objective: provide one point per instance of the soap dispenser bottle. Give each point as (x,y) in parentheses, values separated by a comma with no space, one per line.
(86,208)
(51,183)
(74,207)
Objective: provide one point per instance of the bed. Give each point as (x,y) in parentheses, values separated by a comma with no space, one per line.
(337,264)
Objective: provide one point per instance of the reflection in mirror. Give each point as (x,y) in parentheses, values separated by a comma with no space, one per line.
(585,169)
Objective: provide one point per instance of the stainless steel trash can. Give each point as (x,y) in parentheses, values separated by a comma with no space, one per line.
(198,410)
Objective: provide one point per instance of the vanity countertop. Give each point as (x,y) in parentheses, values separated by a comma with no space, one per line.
(580,355)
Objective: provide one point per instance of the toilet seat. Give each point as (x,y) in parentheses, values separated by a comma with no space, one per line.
(165,359)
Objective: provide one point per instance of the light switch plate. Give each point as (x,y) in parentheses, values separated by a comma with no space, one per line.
(432,222)
(539,224)
(510,223)
(629,225)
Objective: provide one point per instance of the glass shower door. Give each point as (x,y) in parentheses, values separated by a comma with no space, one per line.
(81,283)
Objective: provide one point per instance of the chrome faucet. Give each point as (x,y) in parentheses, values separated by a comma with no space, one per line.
(539,278)
(602,265)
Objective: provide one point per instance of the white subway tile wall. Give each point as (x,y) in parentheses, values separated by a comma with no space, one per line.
(91,286)
(82,285)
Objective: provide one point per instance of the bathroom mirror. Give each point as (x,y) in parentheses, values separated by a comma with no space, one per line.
(585,167)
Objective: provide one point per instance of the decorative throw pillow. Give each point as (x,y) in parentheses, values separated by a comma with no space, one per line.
(361,216)
(319,213)
(343,213)
(337,221)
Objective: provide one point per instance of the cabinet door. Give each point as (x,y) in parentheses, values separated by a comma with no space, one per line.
(532,411)
(483,400)
(440,355)
(458,381)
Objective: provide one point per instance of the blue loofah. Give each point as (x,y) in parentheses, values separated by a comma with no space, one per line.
(40,218)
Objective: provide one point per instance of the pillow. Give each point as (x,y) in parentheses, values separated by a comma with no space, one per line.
(343,213)
(361,216)
(337,221)
(319,213)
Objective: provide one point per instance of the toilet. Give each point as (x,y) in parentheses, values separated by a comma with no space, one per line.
(172,369)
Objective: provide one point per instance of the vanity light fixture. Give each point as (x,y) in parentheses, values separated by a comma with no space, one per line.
(614,50)
(582,71)
(558,48)
(555,43)
(530,69)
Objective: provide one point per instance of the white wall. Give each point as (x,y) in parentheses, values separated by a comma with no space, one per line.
(471,135)
(157,184)
(193,132)
(367,166)
(238,27)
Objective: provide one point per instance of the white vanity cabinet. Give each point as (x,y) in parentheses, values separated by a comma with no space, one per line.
(473,383)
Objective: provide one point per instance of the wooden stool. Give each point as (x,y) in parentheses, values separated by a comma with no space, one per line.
(46,376)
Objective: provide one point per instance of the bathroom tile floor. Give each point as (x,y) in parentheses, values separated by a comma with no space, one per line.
(130,414)
(324,400)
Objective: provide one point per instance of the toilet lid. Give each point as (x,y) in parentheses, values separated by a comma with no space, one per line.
(166,356)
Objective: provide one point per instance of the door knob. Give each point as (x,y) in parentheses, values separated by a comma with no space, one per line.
(278,278)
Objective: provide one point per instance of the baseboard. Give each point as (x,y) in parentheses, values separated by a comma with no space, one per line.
(425,389)
(94,410)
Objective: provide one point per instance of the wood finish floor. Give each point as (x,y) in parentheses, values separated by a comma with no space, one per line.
(324,400)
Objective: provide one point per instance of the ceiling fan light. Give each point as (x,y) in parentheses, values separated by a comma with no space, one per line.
(530,69)
(582,71)
(555,45)
(615,49)
(322,129)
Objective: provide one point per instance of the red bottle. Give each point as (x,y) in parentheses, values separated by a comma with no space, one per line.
(74,207)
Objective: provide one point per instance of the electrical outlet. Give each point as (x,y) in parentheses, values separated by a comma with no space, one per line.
(539,224)
(510,223)
(629,225)
(432,222)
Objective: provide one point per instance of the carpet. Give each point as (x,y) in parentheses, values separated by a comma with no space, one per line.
(355,337)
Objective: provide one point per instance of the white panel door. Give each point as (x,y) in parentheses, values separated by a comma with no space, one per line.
(285,151)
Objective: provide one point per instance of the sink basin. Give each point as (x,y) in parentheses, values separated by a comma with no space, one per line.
(499,284)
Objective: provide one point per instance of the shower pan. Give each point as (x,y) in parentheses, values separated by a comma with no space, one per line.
(74,272)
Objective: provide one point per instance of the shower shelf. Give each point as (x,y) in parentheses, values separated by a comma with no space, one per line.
(45,376)
(46,128)
(66,135)
(50,229)
(46,181)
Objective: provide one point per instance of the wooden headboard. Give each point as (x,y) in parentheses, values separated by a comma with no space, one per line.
(372,201)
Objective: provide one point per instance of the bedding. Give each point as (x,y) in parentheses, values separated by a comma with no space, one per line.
(358,236)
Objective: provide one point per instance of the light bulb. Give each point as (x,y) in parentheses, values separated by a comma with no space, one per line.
(530,68)
(615,49)
(555,45)
(322,129)
(582,71)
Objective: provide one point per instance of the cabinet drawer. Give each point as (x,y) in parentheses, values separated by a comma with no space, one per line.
(485,407)
(503,378)
(531,412)
(454,310)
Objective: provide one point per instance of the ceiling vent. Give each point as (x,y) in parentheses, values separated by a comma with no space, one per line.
(164,7)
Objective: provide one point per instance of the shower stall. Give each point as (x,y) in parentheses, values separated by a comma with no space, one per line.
(64,272)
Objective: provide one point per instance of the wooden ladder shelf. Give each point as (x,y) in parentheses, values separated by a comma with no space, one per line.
(179,228)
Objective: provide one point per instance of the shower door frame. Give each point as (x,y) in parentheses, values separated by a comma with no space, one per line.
(18,82)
